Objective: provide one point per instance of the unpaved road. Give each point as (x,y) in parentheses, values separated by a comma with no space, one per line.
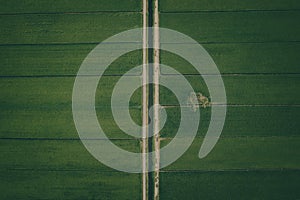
(145,102)
(156,73)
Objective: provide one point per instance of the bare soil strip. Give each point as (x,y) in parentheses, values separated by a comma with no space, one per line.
(145,103)
(156,71)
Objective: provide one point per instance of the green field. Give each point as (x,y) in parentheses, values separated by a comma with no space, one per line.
(42,45)
(255,45)
(244,121)
(64,184)
(63,6)
(229,5)
(236,27)
(231,185)
(246,58)
(65,28)
(56,60)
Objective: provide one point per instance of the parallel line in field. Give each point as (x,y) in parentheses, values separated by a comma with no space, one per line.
(69,139)
(234,74)
(163,138)
(138,75)
(162,171)
(244,137)
(59,170)
(69,13)
(233,170)
(68,43)
(137,42)
(67,107)
(235,105)
(237,42)
(229,11)
(67,76)
(140,11)
(166,106)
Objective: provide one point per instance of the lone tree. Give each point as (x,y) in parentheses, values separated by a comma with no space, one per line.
(196,100)
(203,100)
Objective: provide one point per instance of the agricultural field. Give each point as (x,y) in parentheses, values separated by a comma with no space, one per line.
(255,45)
(42,45)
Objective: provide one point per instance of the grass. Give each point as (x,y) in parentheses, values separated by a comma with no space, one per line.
(243,122)
(39,106)
(248,89)
(254,45)
(219,5)
(40,54)
(64,29)
(248,152)
(54,123)
(56,60)
(43,6)
(69,185)
(248,58)
(230,185)
(55,154)
(42,46)
(51,92)
(36,115)
(240,27)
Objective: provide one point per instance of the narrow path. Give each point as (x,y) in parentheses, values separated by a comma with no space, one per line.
(145,102)
(150,98)
(156,71)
